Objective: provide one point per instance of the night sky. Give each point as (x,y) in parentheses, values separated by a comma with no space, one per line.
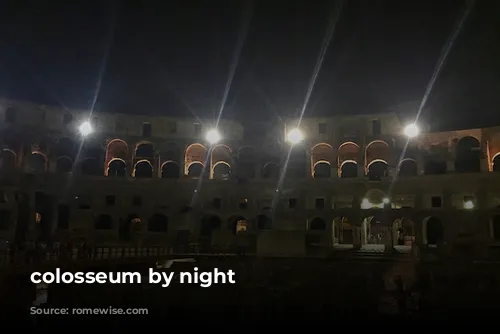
(168,58)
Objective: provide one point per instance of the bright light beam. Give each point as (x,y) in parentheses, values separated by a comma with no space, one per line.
(85,129)
(295,136)
(213,136)
(411,130)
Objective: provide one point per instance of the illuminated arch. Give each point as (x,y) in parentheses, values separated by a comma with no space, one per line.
(116,148)
(195,152)
(270,170)
(377,169)
(143,169)
(348,143)
(220,153)
(115,141)
(376,150)
(170,170)
(432,230)
(348,151)
(408,167)
(322,169)
(348,169)
(468,155)
(37,162)
(117,166)
(219,172)
(495,161)
(322,152)
(195,169)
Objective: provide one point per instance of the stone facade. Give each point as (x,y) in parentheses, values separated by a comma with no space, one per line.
(352,183)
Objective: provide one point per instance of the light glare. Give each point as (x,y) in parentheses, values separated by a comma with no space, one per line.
(385,200)
(295,136)
(411,130)
(213,136)
(85,128)
(468,205)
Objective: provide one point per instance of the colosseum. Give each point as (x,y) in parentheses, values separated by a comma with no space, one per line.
(353,182)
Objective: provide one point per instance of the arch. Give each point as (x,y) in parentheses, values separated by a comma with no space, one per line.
(348,151)
(144,150)
(170,170)
(317,224)
(209,223)
(372,230)
(103,222)
(495,161)
(37,162)
(194,153)
(117,148)
(65,147)
(64,165)
(343,232)
(270,170)
(373,199)
(264,222)
(246,162)
(143,169)
(90,166)
(377,170)
(158,222)
(221,154)
(8,159)
(322,170)
(116,167)
(221,171)
(376,150)
(348,169)
(468,155)
(195,169)
(403,232)
(237,224)
(322,152)
(433,231)
(407,168)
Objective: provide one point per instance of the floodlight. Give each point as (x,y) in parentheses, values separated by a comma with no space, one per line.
(295,136)
(213,136)
(411,130)
(85,128)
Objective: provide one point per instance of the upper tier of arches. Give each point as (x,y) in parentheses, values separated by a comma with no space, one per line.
(145,159)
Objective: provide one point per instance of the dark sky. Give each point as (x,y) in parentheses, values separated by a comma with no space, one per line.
(168,58)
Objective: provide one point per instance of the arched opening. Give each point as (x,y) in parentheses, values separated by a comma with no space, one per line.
(270,170)
(8,160)
(64,165)
(372,231)
(322,157)
(408,168)
(103,222)
(170,170)
(468,155)
(322,170)
(143,170)
(374,199)
(348,155)
(221,171)
(496,162)
(129,227)
(220,158)
(264,222)
(116,149)
(65,147)
(195,153)
(36,163)
(377,151)
(117,168)
(297,163)
(144,150)
(195,170)
(317,224)
(433,231)
(246,162)
(377,170)
(495,227)
(91,166)
(342,231)
(403,233)
(209,223)
(348,169)
(237,224)
(158,222)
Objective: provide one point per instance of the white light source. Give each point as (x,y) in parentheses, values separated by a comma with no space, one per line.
(386,200)
(468,205)
(411,130)
(365,204)
(213,136)
(85,128)
(295,136)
